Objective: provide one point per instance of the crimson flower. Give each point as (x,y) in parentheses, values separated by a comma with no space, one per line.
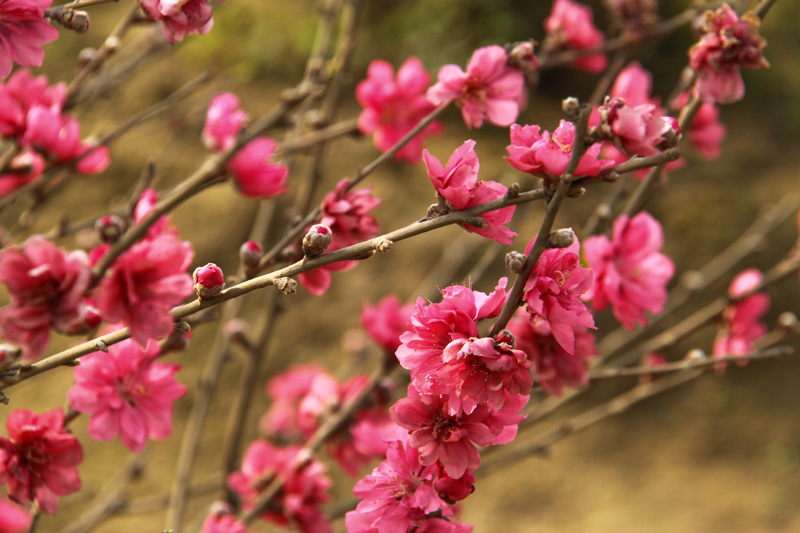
(385,322)
(255,174)
(741,327)
(23,32)
(570,26)
(224,121)
(347,214)
(706,132)
(38,458)
(180,17)
(13,519)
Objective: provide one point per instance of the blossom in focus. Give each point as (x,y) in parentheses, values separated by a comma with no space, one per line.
(23,32)
(46,285)
(385,322)
(180,17)
(255,174)
(629,271)
(392,107)
(347,214)
(554,367)
(637,130)
(224,121)
(489,89)
(13,519)
(38,458)
(741,326)
(459,185)
(542,154)
(305,486)
(127,393)
(570,26)
(706,132)
(553,293)
(634,84)
(728,43)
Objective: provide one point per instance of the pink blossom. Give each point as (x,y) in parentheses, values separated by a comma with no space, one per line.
(637,129)
(144,283)
(392,107)
(487,90)
(38,458)
(630,273)
(451,439)
(127,393)
(224,121)
(570,26)
(286,391)
(31,166)
(23,32)
(553,292)
(727,44)
(706,132)
(347,214)
(180,17)
(13,519)
(385,322)
(222,521)
(318,281)
(634,84)
(459,185)
(553,366)
(255,174)
(547,156)
(305,486)
(740,327)
(20,93)
(46,285)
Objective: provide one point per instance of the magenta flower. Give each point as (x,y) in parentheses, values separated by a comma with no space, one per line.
(553,366)
(630,273)
(46,285)
(459,185)
(637,130)
(30,165)
(23,32)
(19,94)
(728,43)
(286,390)
(385,322)
(180,17)
(634,84)
(255,174)
(741,327)
(127,393)
(553,293)
(706,132)
(318,281)
(392,107)
(487,90)
(222,520)
(347,214)
(13,519)
(304,489)
(542,154)
(38,458)
(224,121)
(570,26)
(144,283)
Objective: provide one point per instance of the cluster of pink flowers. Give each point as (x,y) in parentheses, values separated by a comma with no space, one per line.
(253,170)
(180,17)
(23,32)
(305,487)
(728,43)
(127,393)
(629,271)
(489,89)
(221,519)
(460,188)
(38,458)
(740,326)
(32,115)
(392,107)
(570,26)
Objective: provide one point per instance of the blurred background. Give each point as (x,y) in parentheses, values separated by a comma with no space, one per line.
(719,454)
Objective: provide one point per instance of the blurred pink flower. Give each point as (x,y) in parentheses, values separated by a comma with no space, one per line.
(13,519)
(286,390)
(629,271)
(20,93)
(224,121)
(318,281)
(740,327)
(127,393)
(392,107)
(570,26)
(385,322)
(255,174)
(180,17)
(706,132)
(29,160)
(487,90)
(347,214)
(46,285)
(727,44)
(38,458)
(222,523)
(23,32)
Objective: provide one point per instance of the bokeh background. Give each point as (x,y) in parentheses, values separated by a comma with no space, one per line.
(719,454)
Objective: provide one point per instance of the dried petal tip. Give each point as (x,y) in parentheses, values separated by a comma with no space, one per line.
(208,281)
(515,261)
(250,254)
(563,238)
(317,240)
(109,228)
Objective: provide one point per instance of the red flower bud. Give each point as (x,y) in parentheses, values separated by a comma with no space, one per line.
(317,240)
(208,281)
(250,253)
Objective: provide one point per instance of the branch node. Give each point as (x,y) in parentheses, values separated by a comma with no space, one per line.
(384,245)
(102,346)
(286,285)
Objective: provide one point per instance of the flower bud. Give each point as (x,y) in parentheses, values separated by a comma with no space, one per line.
(515,261)
(250,254)
(8,354)
(571,106)
(86,56)
(286,285)
(317,240)
(563,238)
(109,228)
(208,281)
(522,56)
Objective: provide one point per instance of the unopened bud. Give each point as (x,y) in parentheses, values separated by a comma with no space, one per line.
(515,261)
(250,254)
(571,106)
(522,56)
(208,281)
(79,22)
(8,354)
(505,337)
(673,136)
(563,238)
(112,44)
(695,355)
(109,228)
(86,56)
(787,320)
(286,285)
(317,240)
